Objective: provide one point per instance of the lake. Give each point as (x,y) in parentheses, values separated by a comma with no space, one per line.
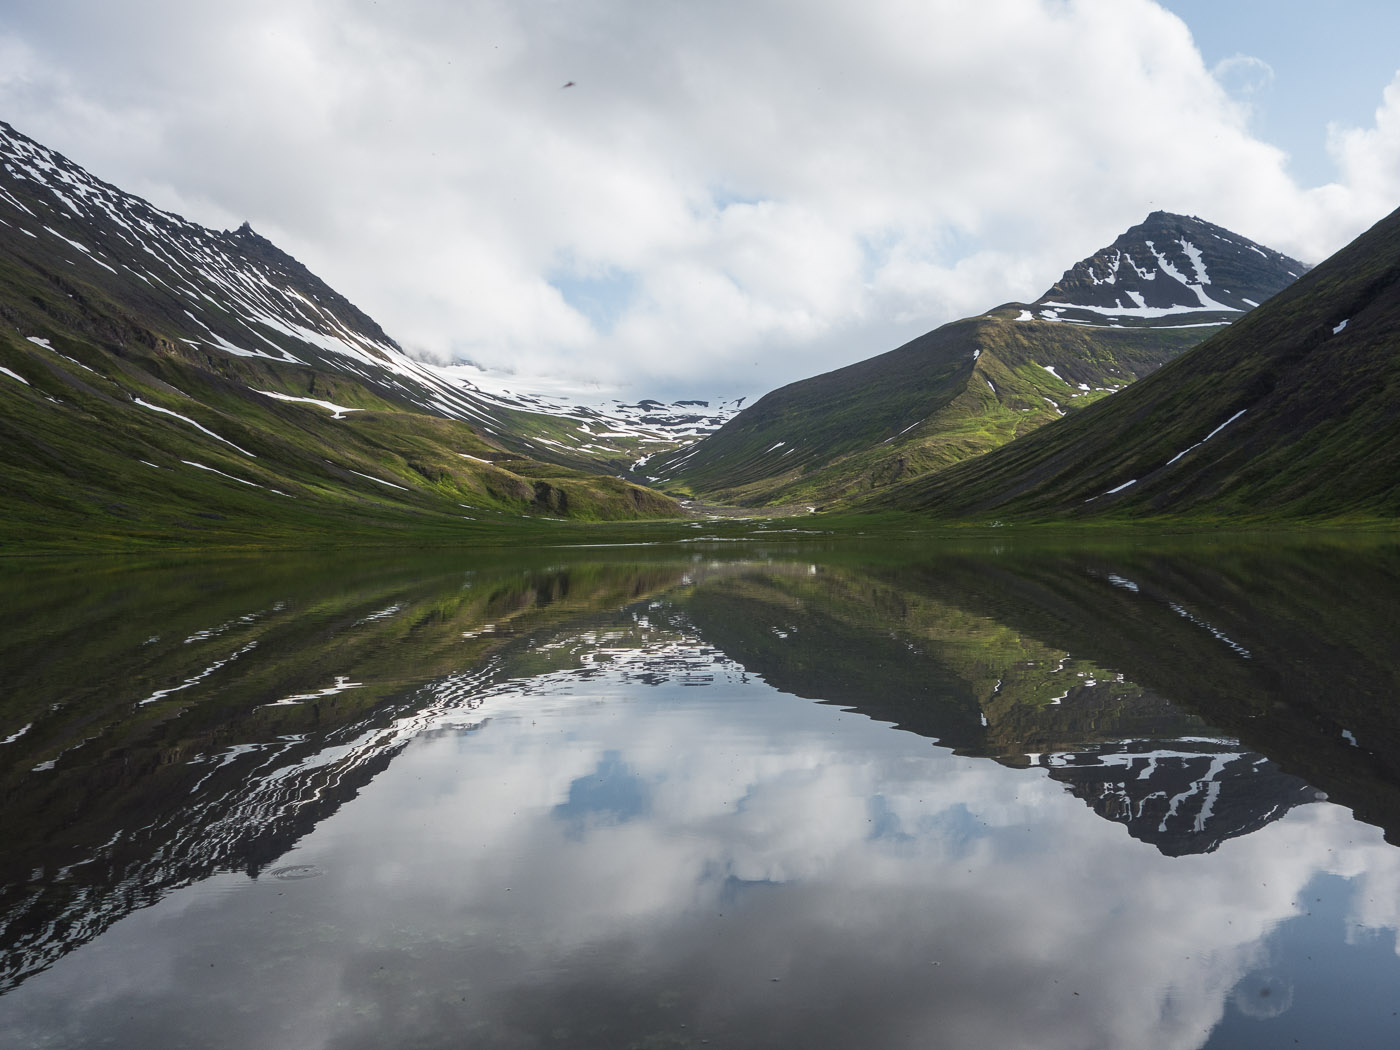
(752,794)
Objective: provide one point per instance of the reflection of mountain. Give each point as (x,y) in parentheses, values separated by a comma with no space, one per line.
(1291,649)
(204,718)
(204,721)
(821,636)
(912,656)
(1182,796)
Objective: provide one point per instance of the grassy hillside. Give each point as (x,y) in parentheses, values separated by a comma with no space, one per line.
(954,393)
(138,447)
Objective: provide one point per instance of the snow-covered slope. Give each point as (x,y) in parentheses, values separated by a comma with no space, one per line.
(235,294)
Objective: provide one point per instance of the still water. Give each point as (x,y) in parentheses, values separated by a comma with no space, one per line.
(815,796)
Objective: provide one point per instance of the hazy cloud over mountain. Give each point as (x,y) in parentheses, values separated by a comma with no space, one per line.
(729,196)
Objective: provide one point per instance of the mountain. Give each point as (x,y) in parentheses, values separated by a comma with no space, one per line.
(1292,412)
(161,381)
(976,384)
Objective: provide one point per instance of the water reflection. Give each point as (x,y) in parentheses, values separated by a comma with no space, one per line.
(593,804)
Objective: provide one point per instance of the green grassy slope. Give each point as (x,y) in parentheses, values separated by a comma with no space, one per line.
(954,393)
(1310,410)
(131,447)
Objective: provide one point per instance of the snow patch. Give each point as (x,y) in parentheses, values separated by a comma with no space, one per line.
(1197,263)
(1203,440)
(15,736)
(337,411)
(1144,311)
(201,466)
(191,422)
(380,480)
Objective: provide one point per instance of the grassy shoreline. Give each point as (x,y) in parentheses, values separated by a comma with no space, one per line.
(891,526)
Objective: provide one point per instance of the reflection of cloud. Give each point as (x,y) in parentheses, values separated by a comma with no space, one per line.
(892,889)
(611,793)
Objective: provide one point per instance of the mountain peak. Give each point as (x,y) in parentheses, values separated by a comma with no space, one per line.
(1168,271)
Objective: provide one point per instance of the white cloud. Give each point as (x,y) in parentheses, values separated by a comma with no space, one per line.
(783,190)
(1243,74)
(1369,160)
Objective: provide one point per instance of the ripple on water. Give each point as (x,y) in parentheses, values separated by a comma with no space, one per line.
(1263,995)
(293,872)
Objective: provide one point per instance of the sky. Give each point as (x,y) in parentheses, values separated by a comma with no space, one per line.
(726,196)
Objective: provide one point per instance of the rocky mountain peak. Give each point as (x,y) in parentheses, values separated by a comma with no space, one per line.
(1168,271)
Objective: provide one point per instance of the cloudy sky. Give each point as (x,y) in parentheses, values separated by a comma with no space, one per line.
(731,195)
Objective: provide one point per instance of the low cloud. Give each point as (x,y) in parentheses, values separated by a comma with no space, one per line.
(728,197)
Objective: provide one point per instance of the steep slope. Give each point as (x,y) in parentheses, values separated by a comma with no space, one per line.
(162,381)
(976,384)
(1292,412)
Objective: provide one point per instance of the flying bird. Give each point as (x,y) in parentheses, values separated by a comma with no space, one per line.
(569,84)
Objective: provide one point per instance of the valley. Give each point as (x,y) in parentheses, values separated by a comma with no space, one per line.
(166,385)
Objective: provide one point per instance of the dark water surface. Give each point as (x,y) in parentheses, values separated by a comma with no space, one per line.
(804,797)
